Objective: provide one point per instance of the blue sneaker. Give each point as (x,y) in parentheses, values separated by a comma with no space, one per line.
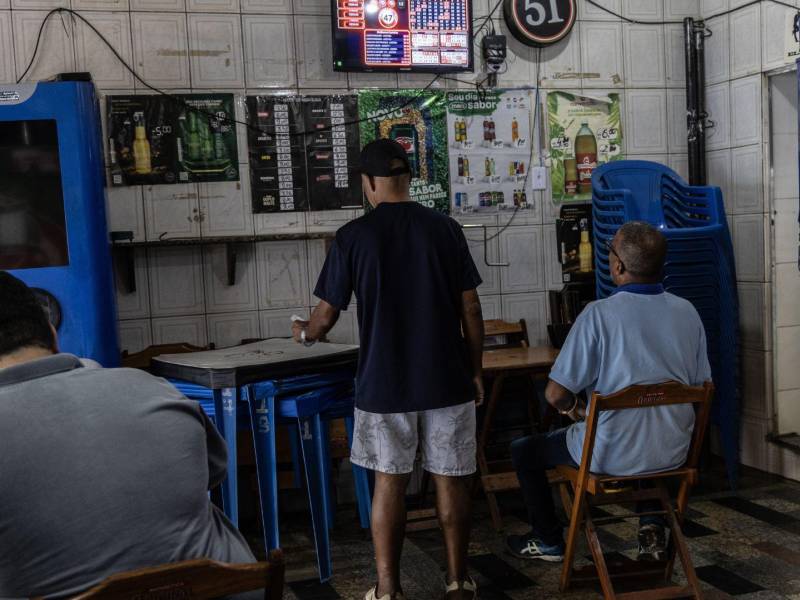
(529,548)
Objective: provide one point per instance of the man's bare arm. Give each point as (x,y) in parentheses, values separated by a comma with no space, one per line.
(472,325)
(323,318)
(563,400)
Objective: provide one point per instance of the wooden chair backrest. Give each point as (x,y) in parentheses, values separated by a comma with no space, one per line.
(515,333)
(193,580)
(646,396)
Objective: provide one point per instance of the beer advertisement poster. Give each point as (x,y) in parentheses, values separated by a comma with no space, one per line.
(489,141)
(172,139)
(583,132)
(418,121)
(302,153)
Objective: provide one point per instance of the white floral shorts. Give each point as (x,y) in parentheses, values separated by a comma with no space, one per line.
(444,436)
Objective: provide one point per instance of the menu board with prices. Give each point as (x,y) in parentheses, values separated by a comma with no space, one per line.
(302,153)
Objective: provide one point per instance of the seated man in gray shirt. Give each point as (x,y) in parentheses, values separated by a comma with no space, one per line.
(102,470)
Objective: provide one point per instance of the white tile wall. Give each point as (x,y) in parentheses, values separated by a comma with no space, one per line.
(588,12)
(712,7)
(754,311)
(676,120)
(161,48)
(787,306)
(679,9)
(748,192)
(531,307)
(718,169)
(221,297)
(490,275)
(173,330)
(176,281)
(226,208)
(135,335)
(282,274)
(125,210)
(643,9)
(7,71)
(601,54)
(134,304)
(521,247)
(746,111)
(644,55)
(225,6)
(171,211)
(215,51)
(561,66)
(92,55)
(269,54)
(277,323)
(719,111)
(314,62)
(748,247)
(756,388)
(647,121)
(717,51)
(786,230)
(492,307)
(675,55)
(788,357)
(267,6)
(745,29)
(55,53)
(773,25)
(225,330)
(346,329)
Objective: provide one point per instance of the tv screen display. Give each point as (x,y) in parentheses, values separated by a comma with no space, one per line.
(33,230)
(428,36)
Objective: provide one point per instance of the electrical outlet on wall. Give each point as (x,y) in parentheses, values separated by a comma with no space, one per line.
(539,178)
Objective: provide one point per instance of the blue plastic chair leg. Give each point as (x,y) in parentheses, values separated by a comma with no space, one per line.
(311,441)
(297,458)
(262,417)
(225,417)
(361,481)
(330,499)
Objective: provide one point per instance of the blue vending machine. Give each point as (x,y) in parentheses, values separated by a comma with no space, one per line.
(53,232)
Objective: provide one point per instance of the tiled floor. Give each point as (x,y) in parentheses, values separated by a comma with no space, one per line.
(745,545)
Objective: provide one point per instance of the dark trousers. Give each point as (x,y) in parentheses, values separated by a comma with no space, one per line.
(532,457)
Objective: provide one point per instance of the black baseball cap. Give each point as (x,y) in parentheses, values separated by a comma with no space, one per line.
(377,156)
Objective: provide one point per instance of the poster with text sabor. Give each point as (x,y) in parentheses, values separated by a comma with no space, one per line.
(418,121)
(583,132)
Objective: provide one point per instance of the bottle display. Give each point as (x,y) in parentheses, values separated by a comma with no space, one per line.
(585,157)
(585,252)
(570,176)
(141,149)
(514,130)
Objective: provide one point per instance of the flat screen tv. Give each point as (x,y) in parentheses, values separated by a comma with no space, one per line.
(423,36)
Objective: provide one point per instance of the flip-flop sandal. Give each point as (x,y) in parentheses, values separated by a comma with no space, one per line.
(371,595)
(467,585)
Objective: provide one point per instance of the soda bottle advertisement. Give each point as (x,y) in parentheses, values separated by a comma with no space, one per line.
(418,122)
(583,133)
(172,139)
(489,143)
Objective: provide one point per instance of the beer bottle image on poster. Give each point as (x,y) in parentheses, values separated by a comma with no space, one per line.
(172,139)
(583,133)
(417,121)
(142,146)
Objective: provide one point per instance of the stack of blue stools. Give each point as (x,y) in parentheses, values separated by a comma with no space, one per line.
(305,403)
(699,265)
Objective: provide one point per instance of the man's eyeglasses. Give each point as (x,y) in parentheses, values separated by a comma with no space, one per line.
(610,248)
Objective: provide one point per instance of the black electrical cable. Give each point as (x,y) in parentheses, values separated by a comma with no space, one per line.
(186,105)
(722,14)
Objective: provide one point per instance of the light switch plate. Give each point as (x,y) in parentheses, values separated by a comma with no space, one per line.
(539,178)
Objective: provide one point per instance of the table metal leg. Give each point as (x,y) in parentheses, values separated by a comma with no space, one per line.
(361,481)
(262,417)
(311,441)
(225,416)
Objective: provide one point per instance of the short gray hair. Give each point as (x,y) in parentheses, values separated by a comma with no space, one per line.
(642,248)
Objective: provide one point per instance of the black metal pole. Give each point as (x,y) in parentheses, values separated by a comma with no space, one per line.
(691,99)
(700,87)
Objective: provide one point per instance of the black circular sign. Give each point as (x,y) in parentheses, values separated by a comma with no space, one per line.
(539,22)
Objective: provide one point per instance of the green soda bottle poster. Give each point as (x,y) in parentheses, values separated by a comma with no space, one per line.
(418,121)
(583,133)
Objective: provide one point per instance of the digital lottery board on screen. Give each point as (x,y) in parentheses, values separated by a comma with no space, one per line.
(428,36)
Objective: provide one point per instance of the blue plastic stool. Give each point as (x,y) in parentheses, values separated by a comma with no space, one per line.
(291,401)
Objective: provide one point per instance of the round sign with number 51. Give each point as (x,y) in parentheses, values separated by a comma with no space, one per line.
(539,22)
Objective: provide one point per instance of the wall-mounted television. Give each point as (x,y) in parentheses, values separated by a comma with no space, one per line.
(424,36)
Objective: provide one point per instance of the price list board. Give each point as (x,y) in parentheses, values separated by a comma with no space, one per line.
(302,153)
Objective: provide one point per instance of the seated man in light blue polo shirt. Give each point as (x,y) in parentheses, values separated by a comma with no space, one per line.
(640,335)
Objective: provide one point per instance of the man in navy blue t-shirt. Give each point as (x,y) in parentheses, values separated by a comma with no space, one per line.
(419,372)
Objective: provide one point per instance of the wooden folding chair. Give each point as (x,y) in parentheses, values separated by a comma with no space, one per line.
(199,579)
(588,490)
(505,334)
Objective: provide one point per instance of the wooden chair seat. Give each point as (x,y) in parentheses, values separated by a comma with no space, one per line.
(595,481)
(581,490)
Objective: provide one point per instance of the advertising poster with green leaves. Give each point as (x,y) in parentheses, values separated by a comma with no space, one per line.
(418,121)
(584,132)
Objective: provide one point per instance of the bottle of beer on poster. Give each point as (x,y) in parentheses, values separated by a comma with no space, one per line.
(486,133)
(514,130)
(463,130)
(487,167)
(570,177)
(586,157)
(466,166)
(406,135)
(141,149)
(460,166)
(492,133)
(491,161)
(585,252)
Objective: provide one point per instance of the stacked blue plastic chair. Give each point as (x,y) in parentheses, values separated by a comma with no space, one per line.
(699,265)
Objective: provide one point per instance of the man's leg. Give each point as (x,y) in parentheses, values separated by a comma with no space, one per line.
(453,510)
(532,456)
(388,529)
(387,444)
